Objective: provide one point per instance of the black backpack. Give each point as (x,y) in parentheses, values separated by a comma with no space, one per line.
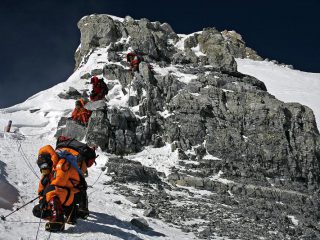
(86,153)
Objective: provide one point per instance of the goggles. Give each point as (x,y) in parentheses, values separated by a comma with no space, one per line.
(44,166)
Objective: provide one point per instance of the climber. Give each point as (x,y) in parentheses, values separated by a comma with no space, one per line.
(134,60)
(99,89)
(81,156)
(57,188)
(80,114)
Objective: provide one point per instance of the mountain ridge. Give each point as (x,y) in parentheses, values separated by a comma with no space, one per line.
(216,129)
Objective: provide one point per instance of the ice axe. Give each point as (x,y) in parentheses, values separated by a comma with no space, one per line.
(17,209)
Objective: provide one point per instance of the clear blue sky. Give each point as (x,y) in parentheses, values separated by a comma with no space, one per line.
(39,37)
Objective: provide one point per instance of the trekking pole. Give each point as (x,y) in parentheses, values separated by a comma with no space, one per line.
(4,217)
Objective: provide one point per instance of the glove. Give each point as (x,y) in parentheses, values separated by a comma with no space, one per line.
(43,203)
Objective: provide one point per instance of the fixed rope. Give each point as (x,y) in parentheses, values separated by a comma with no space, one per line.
(25,158)
(39,224)
(91,186)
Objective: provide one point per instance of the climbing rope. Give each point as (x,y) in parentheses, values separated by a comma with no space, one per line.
(96,179)
(26,222)
(39,224)
(25,158)
(49,236)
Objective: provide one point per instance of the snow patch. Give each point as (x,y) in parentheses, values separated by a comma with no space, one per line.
(294,220)
(162,159)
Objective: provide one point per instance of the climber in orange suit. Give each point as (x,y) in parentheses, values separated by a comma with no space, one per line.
(57,187)
(80,114)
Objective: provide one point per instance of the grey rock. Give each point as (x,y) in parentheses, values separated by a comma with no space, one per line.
(212,43)
(238,46)
(133,199)
(146,73)
(72,93)
(98,132)
(62,121)
(116,72)
(168,29)
(114,57)
(130,171)
(133,101)
(96,105)
(186,57)
(34,110)
(96,31)
(191,41)
(150,212)
(140,223)
(97,71)
(73,130)
(86,76)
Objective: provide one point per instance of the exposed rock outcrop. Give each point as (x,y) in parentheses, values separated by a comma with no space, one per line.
(238,46)
(233,138)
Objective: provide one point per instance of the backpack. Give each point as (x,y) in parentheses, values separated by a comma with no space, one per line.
(104,86)
(73,161)
(86,153)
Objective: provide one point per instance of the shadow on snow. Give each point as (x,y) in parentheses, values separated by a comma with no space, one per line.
(97,223)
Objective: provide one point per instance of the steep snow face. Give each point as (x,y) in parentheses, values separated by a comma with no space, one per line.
(286,84)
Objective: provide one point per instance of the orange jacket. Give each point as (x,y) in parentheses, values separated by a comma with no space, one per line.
(63,179)
(81,114)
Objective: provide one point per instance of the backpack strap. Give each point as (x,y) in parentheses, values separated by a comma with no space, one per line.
(72,160)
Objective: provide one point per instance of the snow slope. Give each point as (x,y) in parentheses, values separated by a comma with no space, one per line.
(286,84)
(107,220)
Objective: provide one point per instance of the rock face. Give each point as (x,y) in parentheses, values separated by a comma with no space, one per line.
(233,138)
(246,128)
(238,47)
(212,43)
(124,170)
(153,40)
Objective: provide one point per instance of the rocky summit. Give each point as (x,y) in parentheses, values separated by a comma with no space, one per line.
(249,164)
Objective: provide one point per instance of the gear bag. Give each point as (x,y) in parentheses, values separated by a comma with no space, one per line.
(72,160)
(86,153)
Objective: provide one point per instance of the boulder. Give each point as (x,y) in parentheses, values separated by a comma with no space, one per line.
(238,46)
(72,93)
(140,223)
(212,43)
(72,130)
(124,170)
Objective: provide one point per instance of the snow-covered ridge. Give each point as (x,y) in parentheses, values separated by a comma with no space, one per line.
(286,84)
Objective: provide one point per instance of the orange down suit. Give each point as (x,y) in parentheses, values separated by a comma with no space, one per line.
(63,179)
(81,115)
